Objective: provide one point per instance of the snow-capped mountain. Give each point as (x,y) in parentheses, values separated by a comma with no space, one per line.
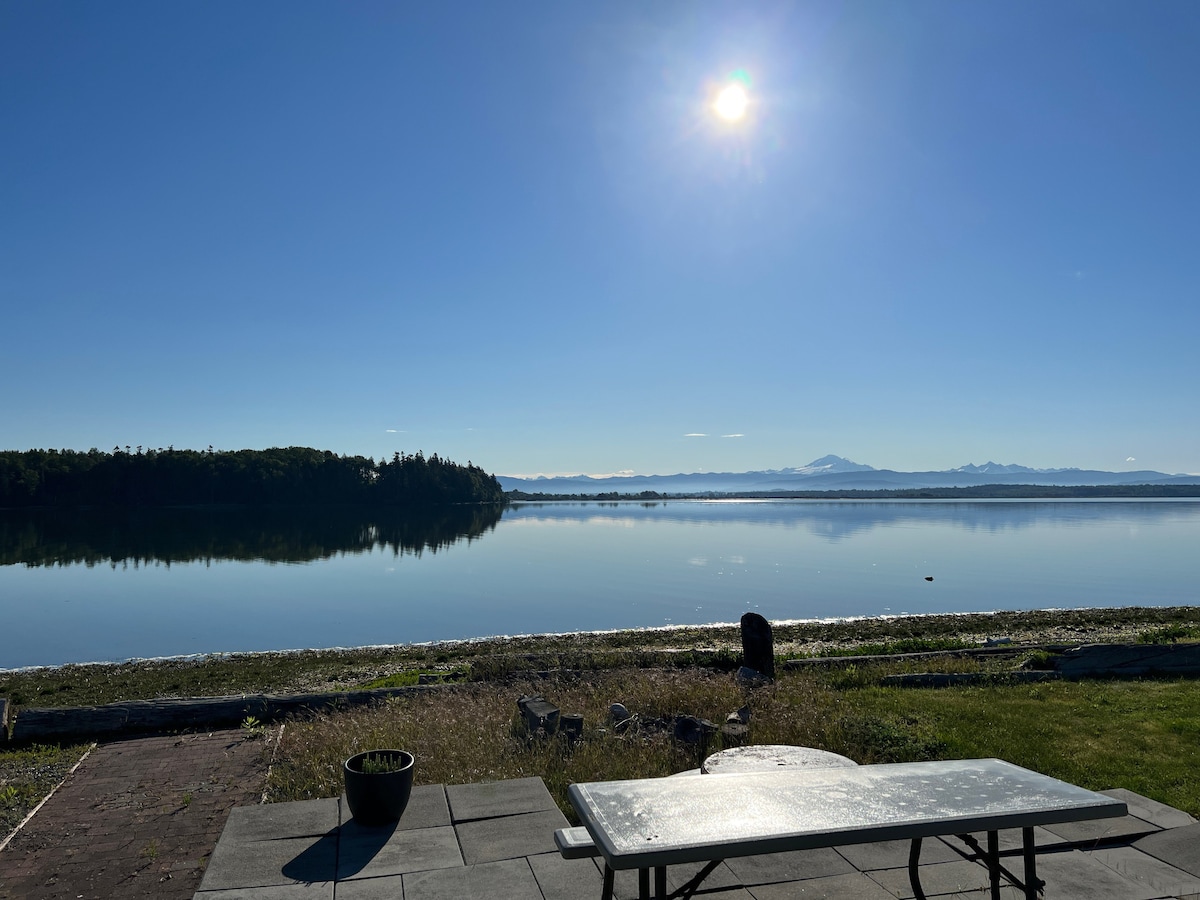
(834,473)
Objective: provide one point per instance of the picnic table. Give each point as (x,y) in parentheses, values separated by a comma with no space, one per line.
(651,823)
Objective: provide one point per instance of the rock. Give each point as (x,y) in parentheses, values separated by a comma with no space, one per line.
(758,645)
(618,713)
(734,735)
(739,716)
(748,677)
(693,730)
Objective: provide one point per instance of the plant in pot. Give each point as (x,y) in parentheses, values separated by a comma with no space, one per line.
(378,785)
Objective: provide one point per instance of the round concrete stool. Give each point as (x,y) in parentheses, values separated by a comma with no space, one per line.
(771,758)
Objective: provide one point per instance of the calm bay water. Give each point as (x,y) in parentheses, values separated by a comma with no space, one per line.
(91,586)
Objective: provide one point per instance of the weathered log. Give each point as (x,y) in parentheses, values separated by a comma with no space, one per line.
(1006,651)
(1128,659)
(955,679)
(69,722)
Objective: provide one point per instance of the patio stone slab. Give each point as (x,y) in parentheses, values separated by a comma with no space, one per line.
(1010,841)
(1179,847)
(426,809)
(1075,875)
(566,879)
(795,865)
(961,877)
(246,864)
(318,890)
(1146,869)
(387,887)
(275,821)
(718,879)
(852,886)
(717,884)
(894,854)
(498,798)
(489,840)
(1092,831)
(511,879)
(401,852)
(1150,810)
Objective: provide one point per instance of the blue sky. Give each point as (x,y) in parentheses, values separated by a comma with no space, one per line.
(518,233)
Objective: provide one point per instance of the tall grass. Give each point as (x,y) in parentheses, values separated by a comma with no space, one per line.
(1141,735)
(474,732)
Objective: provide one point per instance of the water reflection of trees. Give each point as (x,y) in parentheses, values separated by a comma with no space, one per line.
(838,520)
(294,535)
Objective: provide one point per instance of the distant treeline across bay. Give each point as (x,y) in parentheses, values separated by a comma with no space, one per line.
(277,476)
(975,492)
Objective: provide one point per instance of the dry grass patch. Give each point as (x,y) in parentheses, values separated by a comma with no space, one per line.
(474,732)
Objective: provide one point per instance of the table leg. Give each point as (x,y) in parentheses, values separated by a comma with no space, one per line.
(607,893)
(1031,879)
(914,862)
(660,883)
(993,863)
(643,884)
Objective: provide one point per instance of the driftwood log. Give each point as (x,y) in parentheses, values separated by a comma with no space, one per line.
(1087,661)
(72,722)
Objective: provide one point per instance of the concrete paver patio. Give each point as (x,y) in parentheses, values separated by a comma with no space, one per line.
(140,818)
(495,841)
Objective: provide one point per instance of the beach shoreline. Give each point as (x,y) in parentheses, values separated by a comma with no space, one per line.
(303,670)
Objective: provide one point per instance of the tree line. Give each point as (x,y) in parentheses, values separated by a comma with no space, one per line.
(142,478)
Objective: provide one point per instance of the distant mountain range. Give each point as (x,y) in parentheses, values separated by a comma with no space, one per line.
(833,473)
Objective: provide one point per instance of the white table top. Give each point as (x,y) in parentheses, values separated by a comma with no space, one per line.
(665,821)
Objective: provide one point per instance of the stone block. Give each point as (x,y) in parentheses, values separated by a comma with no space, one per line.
(498,798)
(1179,847)
(254,864)
(795,865)
(1150,810)
(1075,875)
(565,879)
(275,821)
(852,886)
(377,852)
(510,879)
(1145,869)
(488,840)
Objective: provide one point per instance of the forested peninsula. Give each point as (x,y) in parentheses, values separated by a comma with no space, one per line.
(142,478)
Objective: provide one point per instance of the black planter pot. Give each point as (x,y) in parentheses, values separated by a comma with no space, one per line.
(378,798)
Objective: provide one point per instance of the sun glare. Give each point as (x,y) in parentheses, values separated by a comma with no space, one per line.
(731,103)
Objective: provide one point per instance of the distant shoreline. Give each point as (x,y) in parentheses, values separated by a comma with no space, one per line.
(981,492)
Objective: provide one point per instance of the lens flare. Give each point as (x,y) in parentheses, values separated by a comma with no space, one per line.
(731,103)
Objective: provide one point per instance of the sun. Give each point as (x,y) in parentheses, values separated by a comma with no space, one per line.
(731,103)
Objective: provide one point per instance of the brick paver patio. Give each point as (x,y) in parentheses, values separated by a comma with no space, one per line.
(137,818)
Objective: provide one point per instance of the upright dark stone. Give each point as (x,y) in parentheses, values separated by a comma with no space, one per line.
(3,719)
(758,647)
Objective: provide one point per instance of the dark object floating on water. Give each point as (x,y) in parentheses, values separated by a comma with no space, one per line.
(929,578)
